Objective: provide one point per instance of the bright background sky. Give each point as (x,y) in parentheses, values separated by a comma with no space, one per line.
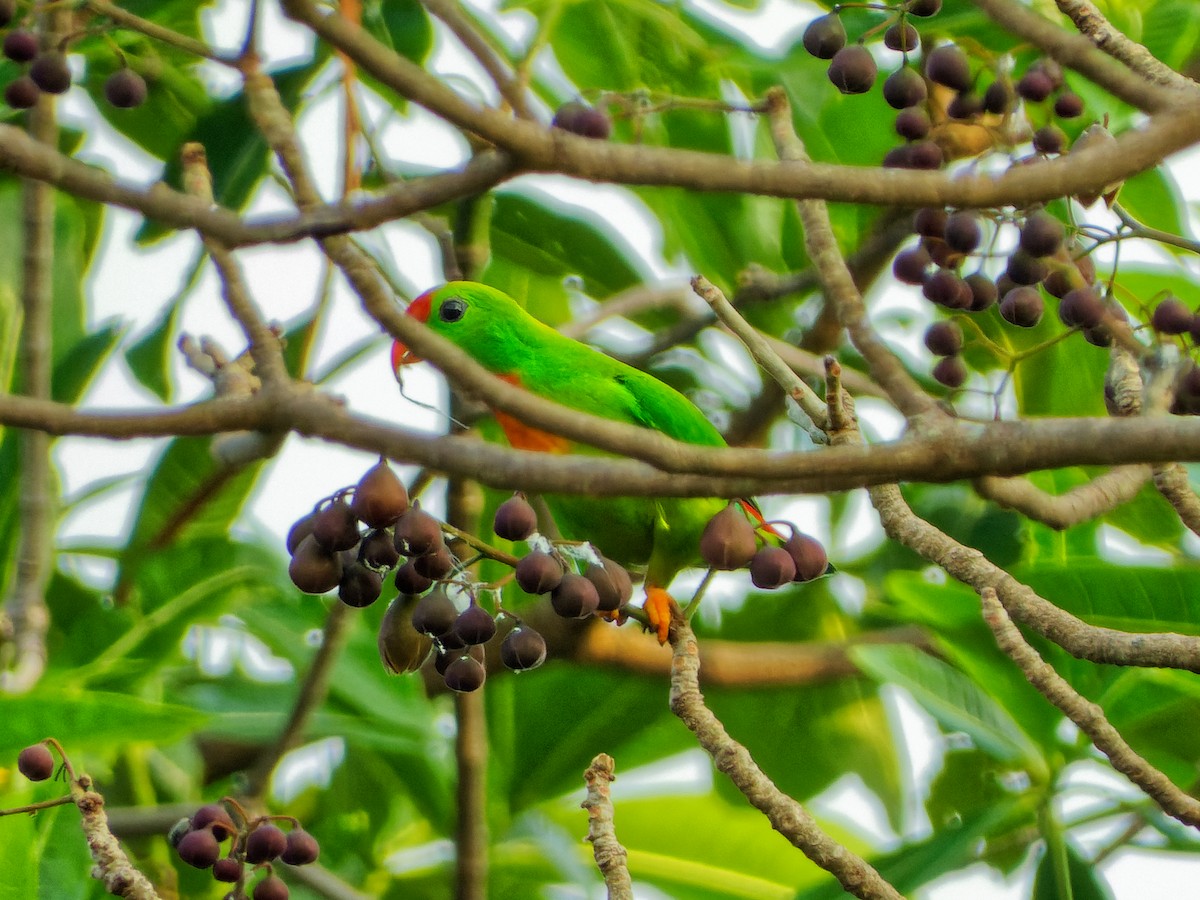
(133,284)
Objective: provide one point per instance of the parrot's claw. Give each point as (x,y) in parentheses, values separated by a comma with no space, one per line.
(658,611)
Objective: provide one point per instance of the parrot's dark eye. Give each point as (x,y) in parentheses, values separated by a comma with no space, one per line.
(452,310)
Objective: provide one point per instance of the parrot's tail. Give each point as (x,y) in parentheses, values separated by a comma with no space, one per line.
(760,523)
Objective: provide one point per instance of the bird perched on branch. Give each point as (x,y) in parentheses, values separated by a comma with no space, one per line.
(662,533)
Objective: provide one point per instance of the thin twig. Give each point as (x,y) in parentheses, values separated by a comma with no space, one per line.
(309,699)
(1093,25)
(1099,496)
(26,602)
(1086,715)
(611,858)
(787,816)
(765,356)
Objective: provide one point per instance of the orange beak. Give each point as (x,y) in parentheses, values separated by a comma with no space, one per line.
(419,310)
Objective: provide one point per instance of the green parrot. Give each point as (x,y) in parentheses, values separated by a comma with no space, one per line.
(662,533)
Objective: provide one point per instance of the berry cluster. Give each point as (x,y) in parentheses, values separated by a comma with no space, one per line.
(1043,257)
(730,542)
(47,70)
(944,91)
(351,544)
(256,842)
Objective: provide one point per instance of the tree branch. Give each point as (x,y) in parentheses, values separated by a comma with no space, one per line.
(1086,715)
(1101,495)
(787,816)
(611,857)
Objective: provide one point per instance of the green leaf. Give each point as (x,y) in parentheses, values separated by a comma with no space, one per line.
(1086,883)
(90,720)
(19,859)
(402,25)
(550,241)
(1153,198)
(237,152)
(150,356)
(957,703)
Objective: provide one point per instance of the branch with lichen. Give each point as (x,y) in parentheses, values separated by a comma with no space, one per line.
(1086,715)
(786,815)
(611,858)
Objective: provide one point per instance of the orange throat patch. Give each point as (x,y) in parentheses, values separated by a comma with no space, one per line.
(526,437)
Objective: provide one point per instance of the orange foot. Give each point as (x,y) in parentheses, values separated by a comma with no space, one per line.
(658,610)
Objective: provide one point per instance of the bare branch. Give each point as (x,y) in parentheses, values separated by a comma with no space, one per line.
(610,855)
(1172,482)
(1086,715)
(1080,504)
(550,150)
(1093,25)
(787,816)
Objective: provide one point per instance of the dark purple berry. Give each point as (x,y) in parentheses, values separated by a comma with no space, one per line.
(964,106)
(475,625)
(1024,268)
(574,597)
(314,569)
(944,338)
(808,554)
(998,98)
(228,870)
(199,848)
(1022,306)
(930,221)
(913,123)
(336,527)
(950,371)
(924,8)
(825,36)
(22,93)
(963,233)
(1035,86)
(51,73)
(983,291)
(516,519)
(1082,307)
(904,88)
(926,155)
(214,816)
(1049,139)
(945,288)
(410,581)
(947,65)
(612,582)
(910,266)
(271,888)
(302,848)
(36,762)
(586,121)
(902,36)
(1171,316)
(125,89)
(438,563)
(417,532)
(265,843)
(380,497)
(1068,105)
(1042,234)
(302,528)
(538,572)
(523,648)
(465,674)
(434,614)
(378,550)
(729,540)
(21,46)
(360,586)
(852,69)
(772,567)
(401,647)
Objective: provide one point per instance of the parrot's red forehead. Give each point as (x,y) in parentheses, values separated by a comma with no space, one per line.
(419,309)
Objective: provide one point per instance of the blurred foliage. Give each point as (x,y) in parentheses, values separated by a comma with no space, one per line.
(138,702)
